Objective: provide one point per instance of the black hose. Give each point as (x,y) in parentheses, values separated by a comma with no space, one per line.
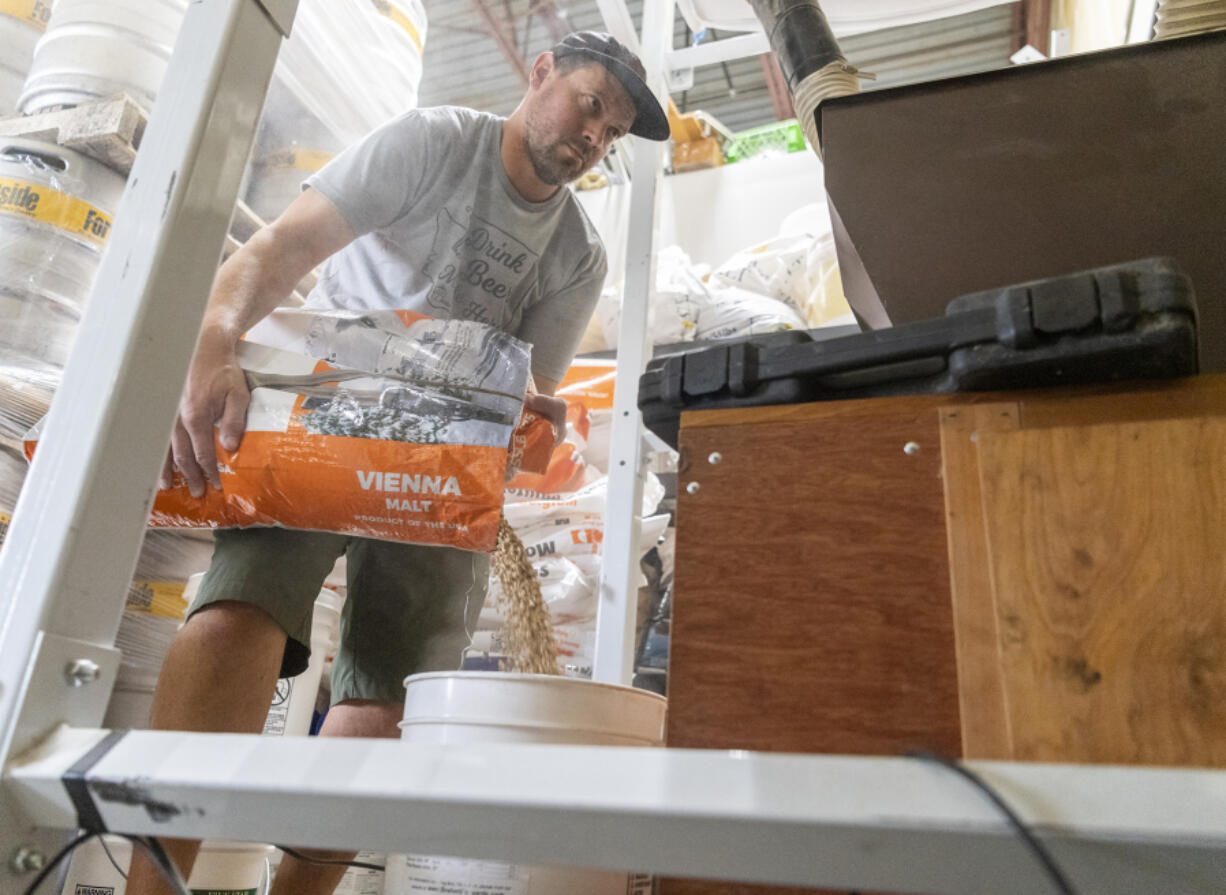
(800,37)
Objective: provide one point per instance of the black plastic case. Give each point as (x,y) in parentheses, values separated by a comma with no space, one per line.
(1126,321)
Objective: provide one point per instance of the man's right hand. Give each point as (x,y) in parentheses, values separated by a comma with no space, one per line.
(248,286)
(216,393)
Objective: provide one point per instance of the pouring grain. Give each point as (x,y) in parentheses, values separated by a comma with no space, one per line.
(528,632)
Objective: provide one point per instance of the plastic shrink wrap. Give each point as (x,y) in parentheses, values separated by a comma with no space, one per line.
(56,208)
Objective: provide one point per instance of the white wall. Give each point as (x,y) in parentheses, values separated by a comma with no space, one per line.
(714,213)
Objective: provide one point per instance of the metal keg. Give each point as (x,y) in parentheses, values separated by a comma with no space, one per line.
(97,48)
(408,18)
(56,208)
(276,178)
(22,23)
(291,144)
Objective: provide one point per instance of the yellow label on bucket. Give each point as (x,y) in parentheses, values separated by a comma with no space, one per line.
(32,12)
(161,598)
(39,202)
(387,9)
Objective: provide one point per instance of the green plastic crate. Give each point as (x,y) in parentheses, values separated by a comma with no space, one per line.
(777,139)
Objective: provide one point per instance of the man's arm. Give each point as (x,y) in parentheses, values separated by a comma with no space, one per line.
(254,281)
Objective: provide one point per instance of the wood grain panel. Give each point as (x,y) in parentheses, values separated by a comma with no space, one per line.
(981,690)
(812,591)
(1109,577)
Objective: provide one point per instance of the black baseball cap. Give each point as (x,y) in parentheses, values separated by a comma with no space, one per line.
(650,122)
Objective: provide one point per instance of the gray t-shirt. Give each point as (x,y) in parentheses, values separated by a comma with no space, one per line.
(443,232)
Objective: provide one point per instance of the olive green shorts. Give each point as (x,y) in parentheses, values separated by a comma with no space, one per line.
(409,608)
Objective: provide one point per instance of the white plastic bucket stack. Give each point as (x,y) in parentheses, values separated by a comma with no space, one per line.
(97,48)
(230,868)
(294,702)
(493,707)
(22,23)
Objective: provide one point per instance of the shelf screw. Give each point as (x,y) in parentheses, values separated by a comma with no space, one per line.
(80,672)
(911,448)
(28,860)
(715,457)
(692,488)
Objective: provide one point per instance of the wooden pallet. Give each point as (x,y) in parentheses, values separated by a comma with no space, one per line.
(108,130)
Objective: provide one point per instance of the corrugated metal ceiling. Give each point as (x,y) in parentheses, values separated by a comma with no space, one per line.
(464,65)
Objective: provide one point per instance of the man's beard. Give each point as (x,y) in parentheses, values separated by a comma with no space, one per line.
(550,167)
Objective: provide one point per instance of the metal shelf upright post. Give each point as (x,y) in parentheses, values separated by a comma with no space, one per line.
(618,590)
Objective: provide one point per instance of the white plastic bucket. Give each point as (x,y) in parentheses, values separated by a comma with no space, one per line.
(96,48)
(222,868)
(230,868)
(294,701)
(493,707)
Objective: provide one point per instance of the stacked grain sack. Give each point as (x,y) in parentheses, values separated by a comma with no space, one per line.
(560,518)
(790,281)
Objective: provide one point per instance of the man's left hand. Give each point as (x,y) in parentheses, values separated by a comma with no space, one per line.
(552,409)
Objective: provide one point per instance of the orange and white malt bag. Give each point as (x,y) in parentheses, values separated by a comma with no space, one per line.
(384,424)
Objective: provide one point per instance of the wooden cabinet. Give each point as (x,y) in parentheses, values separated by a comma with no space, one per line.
(1036,576)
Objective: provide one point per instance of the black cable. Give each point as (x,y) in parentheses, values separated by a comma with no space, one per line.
(110,857)
(1044,857)
(301,857)
(152,848)
(161,861)
(50,866)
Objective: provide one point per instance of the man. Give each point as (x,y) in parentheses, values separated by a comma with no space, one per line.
(449,212)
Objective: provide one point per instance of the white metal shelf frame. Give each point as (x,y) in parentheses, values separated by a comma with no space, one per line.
(72,545)
(618,590)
